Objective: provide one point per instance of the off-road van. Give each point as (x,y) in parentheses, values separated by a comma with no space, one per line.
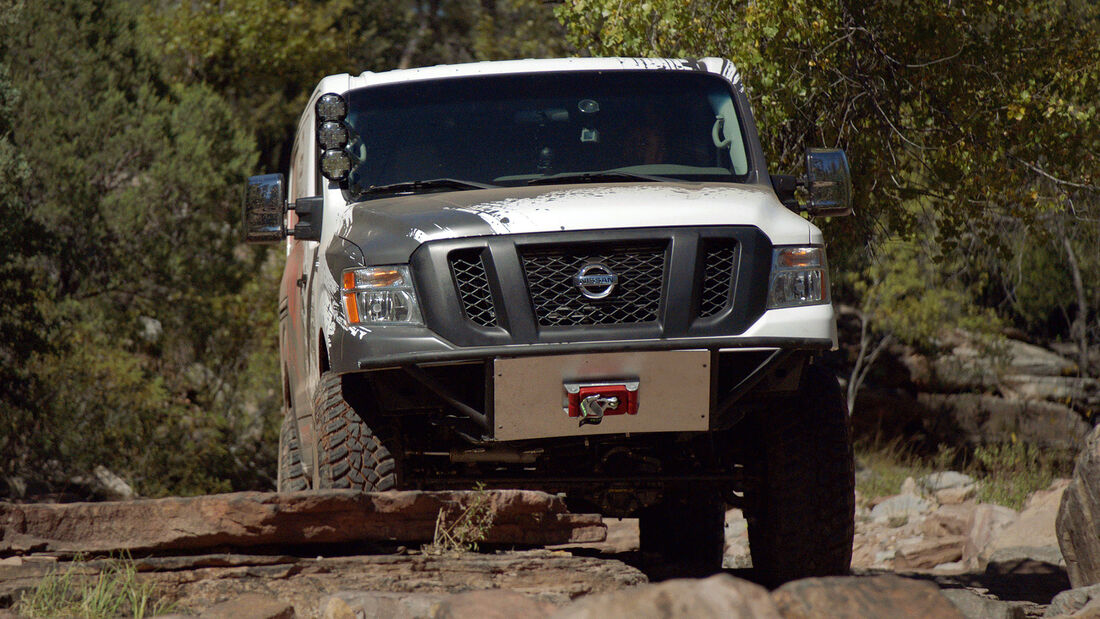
(572,275)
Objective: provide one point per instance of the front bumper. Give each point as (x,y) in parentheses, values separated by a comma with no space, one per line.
(796,328)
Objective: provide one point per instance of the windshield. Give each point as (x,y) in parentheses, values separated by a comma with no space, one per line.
(516,129)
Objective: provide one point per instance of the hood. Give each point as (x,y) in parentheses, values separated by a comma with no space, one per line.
(388,230)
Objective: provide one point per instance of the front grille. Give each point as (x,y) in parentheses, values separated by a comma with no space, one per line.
(473,287)
(558,302)
(719,265)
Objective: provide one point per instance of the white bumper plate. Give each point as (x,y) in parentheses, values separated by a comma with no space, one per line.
(530,400)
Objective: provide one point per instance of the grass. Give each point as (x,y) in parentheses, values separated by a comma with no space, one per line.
(1006,473)
(466,529)
(112,592)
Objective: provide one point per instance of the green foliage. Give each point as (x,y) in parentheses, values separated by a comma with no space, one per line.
(1011,472)
(910,294)
(136,185)
(110,589)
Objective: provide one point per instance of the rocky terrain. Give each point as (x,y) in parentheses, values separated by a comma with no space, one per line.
(932,550)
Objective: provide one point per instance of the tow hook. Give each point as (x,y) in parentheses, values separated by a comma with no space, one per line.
(593,407)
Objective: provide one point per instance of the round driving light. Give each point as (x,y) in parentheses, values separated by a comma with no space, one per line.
(331,106)
(335,164)
(332,134)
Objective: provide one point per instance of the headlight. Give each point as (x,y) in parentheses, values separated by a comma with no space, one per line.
(380,295)
(799,277)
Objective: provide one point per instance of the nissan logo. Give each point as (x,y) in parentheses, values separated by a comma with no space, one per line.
(595,281)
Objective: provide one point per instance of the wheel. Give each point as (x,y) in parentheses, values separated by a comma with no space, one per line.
(349,455)
(800,496)
(683,534)
(291,475)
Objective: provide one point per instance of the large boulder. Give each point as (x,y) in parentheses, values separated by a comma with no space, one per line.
(721,596)
(1032,536)
(979,418)
(1078,524)
(848,596)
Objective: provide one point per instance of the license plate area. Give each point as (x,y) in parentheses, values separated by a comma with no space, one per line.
(657,391)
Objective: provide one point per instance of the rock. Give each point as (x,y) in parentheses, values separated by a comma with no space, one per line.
(1090,611)
(987,522)
(379,605)
(250,606)
(1069,602)
(909,487)
(1025,560)
(980,418)
(111,486)
(622,536)
(737,555)
(928,553)
(1078,523)
(876,596)
(246,519)
(900,507)
(1082,390)
(974,606)
(721,596)
(950,520)
(494,604)
(1033,529)
(968,366)
(945,480)
(954,496)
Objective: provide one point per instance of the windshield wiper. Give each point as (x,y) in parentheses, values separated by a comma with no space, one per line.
(596,177)
(424,185)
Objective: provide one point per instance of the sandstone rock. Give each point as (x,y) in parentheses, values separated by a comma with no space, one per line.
(928,553)
(246,519)
(902,506)
(1025,560)
(987,522)
(1033,529)
(1090,611)
(1069,602)
(861,597)
(954,496)
(950,520)
(251,606)
(982,418)
(737,555)
(379,605)
(721,596)
(945,480)
(1054,388)
(967,366)
(1078,523)
(495,604)
(974,606)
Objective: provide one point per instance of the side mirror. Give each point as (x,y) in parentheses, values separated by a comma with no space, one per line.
(265,209)
(828,182)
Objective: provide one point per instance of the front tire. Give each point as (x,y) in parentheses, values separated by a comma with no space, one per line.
(800,499)
(349,454)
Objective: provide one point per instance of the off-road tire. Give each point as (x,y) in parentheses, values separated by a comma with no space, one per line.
(683,535)
(349,455)
(291,474)
(800,491)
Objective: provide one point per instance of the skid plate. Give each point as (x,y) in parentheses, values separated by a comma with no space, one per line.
(530,398)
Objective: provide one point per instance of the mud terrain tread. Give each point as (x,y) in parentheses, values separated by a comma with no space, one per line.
(799,457)
(348,453)
(291,474)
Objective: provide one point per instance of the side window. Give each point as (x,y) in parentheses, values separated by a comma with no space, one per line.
(300,167)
